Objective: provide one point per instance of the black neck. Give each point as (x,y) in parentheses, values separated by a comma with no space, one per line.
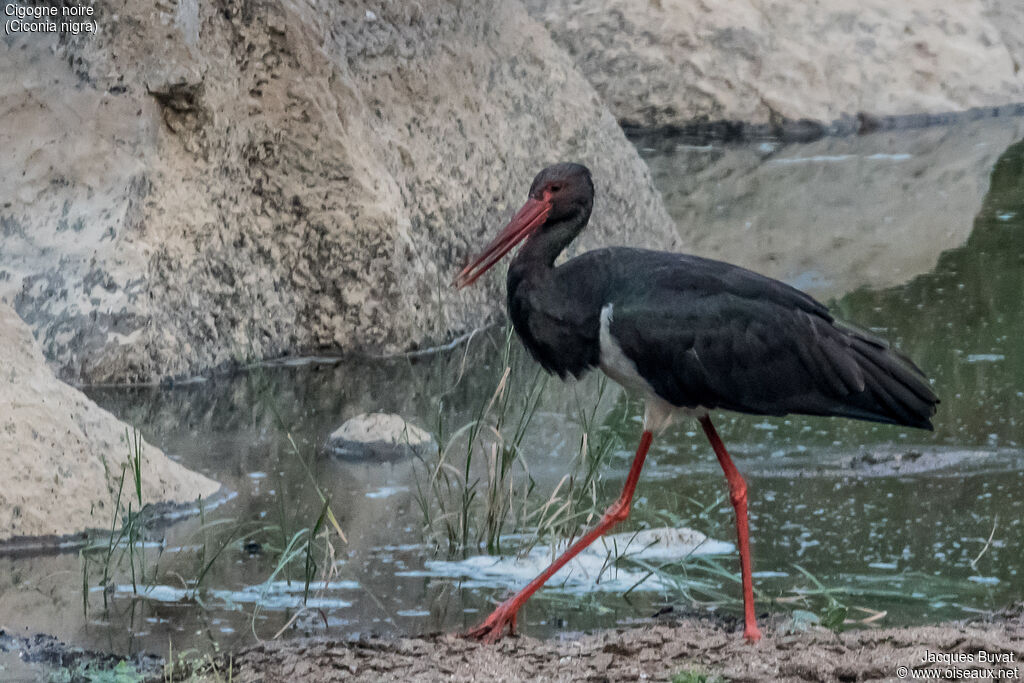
(542,248)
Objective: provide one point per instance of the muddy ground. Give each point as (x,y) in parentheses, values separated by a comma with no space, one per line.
(694,649)
(656,652)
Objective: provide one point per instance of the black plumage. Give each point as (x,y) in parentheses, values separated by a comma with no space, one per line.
(704,333)
(689,333)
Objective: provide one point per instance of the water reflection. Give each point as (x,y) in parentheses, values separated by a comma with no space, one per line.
(895,518)
(836,214)
(965,319)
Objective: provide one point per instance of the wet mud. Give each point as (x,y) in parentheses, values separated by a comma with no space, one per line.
(654,652)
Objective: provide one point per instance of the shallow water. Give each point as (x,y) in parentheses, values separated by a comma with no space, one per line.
(891,519)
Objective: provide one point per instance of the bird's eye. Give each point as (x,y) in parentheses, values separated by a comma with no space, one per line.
(555,188)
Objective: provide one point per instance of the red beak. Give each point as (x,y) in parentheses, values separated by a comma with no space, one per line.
(523,224)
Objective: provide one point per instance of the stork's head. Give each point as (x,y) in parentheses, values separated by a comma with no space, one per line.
(559,193)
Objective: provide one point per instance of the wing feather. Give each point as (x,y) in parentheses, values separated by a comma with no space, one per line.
(703,333)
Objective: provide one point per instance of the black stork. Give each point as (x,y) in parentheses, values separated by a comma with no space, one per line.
(690,335)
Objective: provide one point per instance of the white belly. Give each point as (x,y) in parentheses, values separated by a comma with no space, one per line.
(658,412)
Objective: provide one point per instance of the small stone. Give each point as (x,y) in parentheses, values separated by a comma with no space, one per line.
(378,436)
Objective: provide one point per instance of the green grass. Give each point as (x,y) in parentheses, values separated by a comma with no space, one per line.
(127,536)
(304,549)
(477,488)
(462,507)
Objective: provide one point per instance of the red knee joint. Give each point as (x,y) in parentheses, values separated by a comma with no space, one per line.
(738,491)
(619,511)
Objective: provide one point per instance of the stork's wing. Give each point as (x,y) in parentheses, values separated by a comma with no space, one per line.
(706,333)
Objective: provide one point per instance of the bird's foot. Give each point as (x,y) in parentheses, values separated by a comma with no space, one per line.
(493,627)
(751,633)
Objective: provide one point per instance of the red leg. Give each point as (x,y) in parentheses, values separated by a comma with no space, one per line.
(494,626)
(738,495)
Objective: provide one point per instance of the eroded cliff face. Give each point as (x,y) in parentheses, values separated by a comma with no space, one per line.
(209,181)
(672,62)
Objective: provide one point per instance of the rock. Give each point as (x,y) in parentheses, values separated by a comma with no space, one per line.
(671,62)
(62,455)
(378,436)
(200,183)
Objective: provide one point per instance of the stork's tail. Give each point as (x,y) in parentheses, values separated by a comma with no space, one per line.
(893,382)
